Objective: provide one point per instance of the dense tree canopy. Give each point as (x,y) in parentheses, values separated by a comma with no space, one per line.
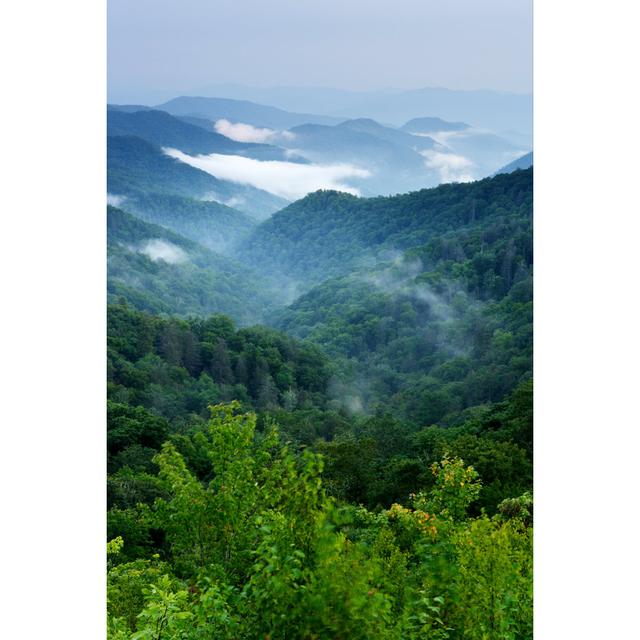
(328,233)
(259,550)
(159,271)
(209,223)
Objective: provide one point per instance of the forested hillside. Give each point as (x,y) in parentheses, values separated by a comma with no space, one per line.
(326,433)
(431,340)
(209,223)
(159,271)
(329,233)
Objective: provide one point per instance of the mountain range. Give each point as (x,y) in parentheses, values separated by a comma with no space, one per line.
(270,149)
(242,111)
(499,111)
(166,131)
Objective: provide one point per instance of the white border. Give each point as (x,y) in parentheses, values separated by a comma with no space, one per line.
(52,349)
(586,320)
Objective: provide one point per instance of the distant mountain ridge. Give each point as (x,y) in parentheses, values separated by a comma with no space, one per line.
(524,162)
(360,155)
(397,136)
(165,130)
(393,157)
(420,152)
(428,125)
(495,110)
(251,113)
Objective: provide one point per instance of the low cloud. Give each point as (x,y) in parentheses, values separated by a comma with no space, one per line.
(157,249)
(450,167)
(289,180)
(242,132)
(114,200)
(449,137)
(350,395)
(448,306)
(444,137)
(233,201)
(401,278)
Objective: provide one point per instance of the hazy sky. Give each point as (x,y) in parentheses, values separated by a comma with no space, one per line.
(166,47)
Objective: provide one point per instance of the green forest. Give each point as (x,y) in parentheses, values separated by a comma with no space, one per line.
(319,426)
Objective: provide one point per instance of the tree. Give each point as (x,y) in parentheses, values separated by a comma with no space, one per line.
(221,363)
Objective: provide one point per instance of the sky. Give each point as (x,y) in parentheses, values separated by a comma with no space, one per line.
(158,48)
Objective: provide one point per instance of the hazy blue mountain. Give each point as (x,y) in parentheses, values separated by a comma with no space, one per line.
(523,162)
(325,100)
(211,224)
(166,130)
(390,134)
(486,150)
(203,123)
(495,110)
(258,151)
(432,125)
(347,142)
(422,153)
(128,108)
(392,157)
(158,271)
(136,166)
(487,109)
(244,111)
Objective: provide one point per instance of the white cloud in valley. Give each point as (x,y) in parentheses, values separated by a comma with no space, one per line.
(450,167)
(242,132)
(114,200)
(234,201)
(157,249)
(450,137)
(444,137)
(289,180)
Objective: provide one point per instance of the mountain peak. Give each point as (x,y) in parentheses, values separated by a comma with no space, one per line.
(369,122)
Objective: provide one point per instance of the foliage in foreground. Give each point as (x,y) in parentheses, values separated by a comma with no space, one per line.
(260,551)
